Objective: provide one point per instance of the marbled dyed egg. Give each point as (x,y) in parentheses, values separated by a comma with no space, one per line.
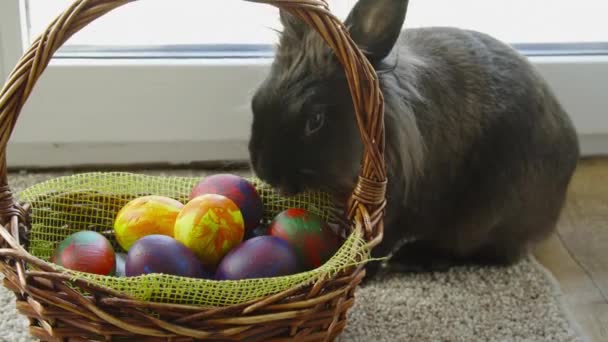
(311,237)
(86,251)
(161,254)
(239,190)
(260,257)
(210,225)
(147,215)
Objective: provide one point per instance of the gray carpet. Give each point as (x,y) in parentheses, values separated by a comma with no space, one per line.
(520,303)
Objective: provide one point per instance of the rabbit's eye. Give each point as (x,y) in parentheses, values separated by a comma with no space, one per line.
(315,122)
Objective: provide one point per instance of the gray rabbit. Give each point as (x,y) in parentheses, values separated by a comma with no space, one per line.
(479,156)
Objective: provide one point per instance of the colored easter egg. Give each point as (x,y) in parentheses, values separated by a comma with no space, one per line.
(86,251)
(260,257)
(144,216)
(121,258)
(210,225)
(239,190)
(311,237)
(161,254)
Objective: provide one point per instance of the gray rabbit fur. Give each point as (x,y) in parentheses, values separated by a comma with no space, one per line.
(480,153)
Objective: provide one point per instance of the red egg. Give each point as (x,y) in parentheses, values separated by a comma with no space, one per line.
(86,251)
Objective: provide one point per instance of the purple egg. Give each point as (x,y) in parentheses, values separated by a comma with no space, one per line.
(239,190)
(260,257)
(162,254)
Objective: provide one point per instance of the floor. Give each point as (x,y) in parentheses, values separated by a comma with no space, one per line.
(578,254)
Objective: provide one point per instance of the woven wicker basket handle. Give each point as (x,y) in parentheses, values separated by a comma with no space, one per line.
(367,202)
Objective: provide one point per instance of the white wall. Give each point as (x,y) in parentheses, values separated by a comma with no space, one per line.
(175,116)
(192,110)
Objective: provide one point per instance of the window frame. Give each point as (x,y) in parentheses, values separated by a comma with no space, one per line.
(70,118)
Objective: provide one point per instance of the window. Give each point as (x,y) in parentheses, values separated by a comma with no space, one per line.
(194,22)
(161,22)
(185,68)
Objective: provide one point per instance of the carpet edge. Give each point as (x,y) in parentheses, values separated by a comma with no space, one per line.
(559,295)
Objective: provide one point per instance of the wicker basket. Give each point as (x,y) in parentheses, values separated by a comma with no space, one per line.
(61,308)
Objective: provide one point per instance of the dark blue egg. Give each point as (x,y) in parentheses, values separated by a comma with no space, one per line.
(259,257)
(163,254)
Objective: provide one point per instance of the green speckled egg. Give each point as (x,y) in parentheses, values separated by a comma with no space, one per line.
(312,239)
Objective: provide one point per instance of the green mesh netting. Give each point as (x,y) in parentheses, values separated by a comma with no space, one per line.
(90,201)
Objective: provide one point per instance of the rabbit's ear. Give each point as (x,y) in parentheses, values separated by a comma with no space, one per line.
(375,26)
(293,26)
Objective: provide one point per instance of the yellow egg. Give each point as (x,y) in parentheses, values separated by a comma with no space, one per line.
(210,225)
(144,216)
